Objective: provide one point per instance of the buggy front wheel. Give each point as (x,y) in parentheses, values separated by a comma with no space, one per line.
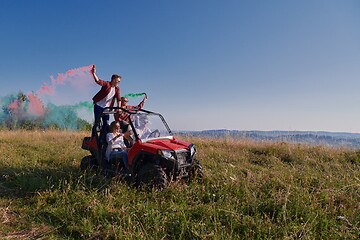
(152,176)
(196,172)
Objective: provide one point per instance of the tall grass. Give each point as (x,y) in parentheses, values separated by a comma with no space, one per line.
(249,191)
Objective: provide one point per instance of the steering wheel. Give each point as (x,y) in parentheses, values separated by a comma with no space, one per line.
(155,134)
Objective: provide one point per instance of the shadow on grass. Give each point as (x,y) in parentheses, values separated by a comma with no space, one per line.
(46,197)
(22,183)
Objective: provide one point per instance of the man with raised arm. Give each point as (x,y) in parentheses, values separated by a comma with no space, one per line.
(122,116)
(109,92)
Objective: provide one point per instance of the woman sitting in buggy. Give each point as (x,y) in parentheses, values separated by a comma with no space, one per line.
(115,145)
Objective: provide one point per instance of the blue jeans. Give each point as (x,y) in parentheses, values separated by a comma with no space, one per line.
(119,153)
(105,119)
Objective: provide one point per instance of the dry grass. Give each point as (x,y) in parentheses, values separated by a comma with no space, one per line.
(251,190)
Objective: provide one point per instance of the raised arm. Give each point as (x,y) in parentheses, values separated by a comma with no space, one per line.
(93,72)
(141,104)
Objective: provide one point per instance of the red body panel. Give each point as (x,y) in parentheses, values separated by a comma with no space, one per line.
(153,145)
(91,144)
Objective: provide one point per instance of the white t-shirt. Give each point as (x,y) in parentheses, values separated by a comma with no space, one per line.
(105,102)
(119,143)
(143,133)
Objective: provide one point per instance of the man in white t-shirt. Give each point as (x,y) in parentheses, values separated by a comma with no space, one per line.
(109,92)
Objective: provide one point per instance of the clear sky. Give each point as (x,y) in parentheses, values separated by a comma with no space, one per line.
(205,64)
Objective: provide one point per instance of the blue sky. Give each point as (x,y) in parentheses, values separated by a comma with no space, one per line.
(205,64)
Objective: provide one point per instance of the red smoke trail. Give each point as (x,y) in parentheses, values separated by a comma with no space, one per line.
(62,78)
(74,76)
(31,106)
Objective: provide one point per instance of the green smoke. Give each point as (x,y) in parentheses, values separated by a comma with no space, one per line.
(134,95)
(59,117)
(7,117)
(4,103)
(66,116)
(85,105)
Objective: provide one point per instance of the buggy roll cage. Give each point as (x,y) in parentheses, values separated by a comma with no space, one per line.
(131,111)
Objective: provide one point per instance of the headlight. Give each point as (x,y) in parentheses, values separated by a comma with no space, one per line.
(192,150)
(166,153)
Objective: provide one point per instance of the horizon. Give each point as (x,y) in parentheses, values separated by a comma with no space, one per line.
(289,131)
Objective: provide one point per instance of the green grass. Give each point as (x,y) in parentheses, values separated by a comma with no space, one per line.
(249,191)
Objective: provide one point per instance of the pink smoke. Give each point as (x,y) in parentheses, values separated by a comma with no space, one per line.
(35,107)
(46,89)
(76,77)
(16,106)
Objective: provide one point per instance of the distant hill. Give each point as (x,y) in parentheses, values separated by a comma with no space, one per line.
(333,139)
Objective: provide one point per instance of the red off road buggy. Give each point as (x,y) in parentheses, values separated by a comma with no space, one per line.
(155,157)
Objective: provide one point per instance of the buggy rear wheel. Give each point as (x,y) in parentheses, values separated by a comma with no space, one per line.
(88,163)
(152,176)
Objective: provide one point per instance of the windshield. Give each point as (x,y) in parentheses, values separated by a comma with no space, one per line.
(149,126)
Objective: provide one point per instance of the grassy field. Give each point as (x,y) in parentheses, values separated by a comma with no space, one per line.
(249,191)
